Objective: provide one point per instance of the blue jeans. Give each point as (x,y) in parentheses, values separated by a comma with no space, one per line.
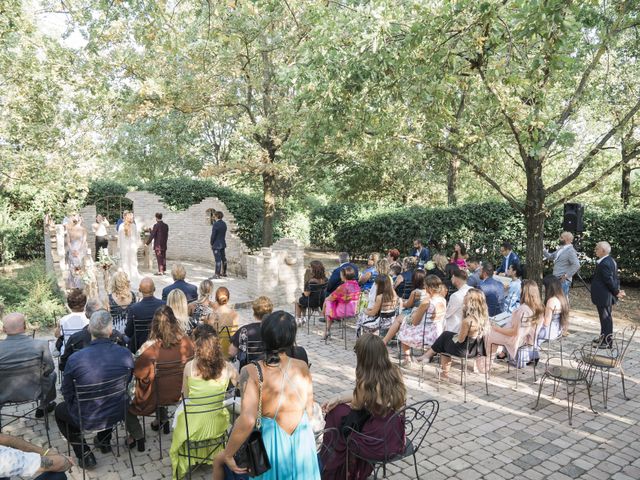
(565,287)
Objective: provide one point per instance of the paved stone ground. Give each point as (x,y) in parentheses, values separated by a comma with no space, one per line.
(498,436)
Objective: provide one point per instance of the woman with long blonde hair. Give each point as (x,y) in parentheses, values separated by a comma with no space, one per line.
(128,243)
(379,393)
(177,300)
(120,298)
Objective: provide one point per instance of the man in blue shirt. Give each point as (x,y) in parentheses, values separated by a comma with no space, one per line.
(99,362)
(421,253)
(512,300)
(509,258)
(492,288)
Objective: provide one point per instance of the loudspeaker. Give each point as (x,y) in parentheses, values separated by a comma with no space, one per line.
(573,213)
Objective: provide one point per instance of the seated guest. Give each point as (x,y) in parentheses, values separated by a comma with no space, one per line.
(202,309)
(383,269)
(439,267)
(512,336)
(393,255)
(512,300)
(395,269)
(556,311)
(474,268)
(178,303)
(179,273)
(81,339)
(207,375)
(460,256)
(141,314)
(167,343)
(73,322)
(404,282)
(314,291)
(379,393)
(21,458)
(453,315)
(262,306)
(17,349)
(492,288)
(475,324)
(418,294)
(509,258)
(343,301)
(381,314)
(224,319)
(120,298)
(424,325)
(421,253)
(335,280)
(98,362)
(368,277)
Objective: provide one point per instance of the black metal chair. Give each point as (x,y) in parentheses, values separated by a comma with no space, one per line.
(66,335)
(317,294)
(87,395)
(571,374)
(417,418)
(202,449)
(26,377)
(141,329)
(607,359)
(549,343)
(325,442)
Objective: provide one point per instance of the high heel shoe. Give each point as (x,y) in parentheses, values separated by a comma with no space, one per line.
(326,337)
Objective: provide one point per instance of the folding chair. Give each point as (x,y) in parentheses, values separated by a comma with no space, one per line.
(26,377)
(86,395)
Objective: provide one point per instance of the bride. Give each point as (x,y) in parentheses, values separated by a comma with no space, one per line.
(128,243)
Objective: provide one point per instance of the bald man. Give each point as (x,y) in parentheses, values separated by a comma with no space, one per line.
(140,314)
(17,349)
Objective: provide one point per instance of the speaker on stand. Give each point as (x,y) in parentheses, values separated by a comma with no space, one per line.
(573,221)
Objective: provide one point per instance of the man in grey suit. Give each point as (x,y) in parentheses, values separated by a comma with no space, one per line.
(565,261)
(18,348)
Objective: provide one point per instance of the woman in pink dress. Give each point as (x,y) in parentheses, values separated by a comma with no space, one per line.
(460,256)
(343,301)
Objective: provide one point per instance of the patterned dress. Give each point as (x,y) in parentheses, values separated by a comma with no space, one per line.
(429,328)
(343,301)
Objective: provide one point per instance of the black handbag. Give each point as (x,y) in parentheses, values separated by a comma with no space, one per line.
(354,421)
(252,454)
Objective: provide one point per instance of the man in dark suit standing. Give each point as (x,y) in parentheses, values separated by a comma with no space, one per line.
(218,245)
(334,280)
(159,236)
(140,315)
(605,291)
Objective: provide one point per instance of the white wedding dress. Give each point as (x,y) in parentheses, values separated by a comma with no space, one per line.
(128,247)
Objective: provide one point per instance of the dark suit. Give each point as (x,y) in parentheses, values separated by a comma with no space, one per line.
(507,261)
(81,339)
(218,245)
(605,286)
(159,236)
(334,279)
(142,312)
(190,291)
(423,256)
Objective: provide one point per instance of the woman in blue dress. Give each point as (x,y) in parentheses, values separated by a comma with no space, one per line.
(286,404)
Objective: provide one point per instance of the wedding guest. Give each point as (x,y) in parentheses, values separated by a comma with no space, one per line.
(509,258)
(453,314)
(218,245)
(492,288)
(379,393)
(100,231)
(178,303)
(512,299)
(120,298)
(460,255)
(178,272)
(159,236)
(474,268)
(21,458)
(72,322)
(225,319)
(335,280)
(342,302)
(140,315)
(314,291)
(382,313)
(556,311)
(368,277)
(404,282)
(420,252)
(202,309)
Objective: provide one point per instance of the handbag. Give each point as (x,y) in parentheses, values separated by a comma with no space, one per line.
(354,421)
(252,454)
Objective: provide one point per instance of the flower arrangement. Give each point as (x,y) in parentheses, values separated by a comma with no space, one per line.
(105,261)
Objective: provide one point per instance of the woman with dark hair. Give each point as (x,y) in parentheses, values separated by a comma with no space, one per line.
(282,403)
(556,311)
(418,294)
(315,290)
(379,394)
(343,301)
(460,256)
(167,343)
(404,282)
(205,379)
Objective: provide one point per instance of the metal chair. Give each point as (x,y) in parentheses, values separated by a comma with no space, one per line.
(202,449)
(549,342)
(577,371)
(87,395)
(325,442)
(607,359)
(66,335)
(25,377)
(317,292)
(417,419)
(141,329)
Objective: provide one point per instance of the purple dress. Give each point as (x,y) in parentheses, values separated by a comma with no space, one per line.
(334,452)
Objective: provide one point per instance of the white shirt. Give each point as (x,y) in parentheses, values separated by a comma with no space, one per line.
(16,462)
(453,315)
(601,258)
(101,230)
(70,324)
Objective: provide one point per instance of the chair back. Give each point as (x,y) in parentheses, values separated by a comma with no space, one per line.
(417,419)
(254,350)
(404,289)
(167,382)
(89,399)
(141,329)
(317,293)
(22,382)
(326,441)
(621,341)
(203,407)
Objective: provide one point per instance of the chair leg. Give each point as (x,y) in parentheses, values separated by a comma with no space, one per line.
(589,395)
(46,425)
(159,432)
(605,388)
(571,395)
(624,390)
(544,376)
(415,466)
(82,459)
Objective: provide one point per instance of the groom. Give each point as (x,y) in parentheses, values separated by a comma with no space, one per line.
(219,244)
(159,235)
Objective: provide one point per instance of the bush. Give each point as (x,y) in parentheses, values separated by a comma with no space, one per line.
(326,220)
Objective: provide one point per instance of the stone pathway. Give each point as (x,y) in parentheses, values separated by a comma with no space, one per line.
(498,436)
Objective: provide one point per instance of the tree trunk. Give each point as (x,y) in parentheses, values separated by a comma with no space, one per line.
(268,207)
(452,180)
(535,217)
(625,190)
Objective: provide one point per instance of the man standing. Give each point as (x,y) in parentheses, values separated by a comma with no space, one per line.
(605,291)
(492,288)
(218,245)
(101,361)
(453,316)
(421,253)
(140,315)
(509,258)
(159,236)
(565,261)
(17,349)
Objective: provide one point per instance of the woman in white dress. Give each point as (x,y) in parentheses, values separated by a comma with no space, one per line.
(128,243)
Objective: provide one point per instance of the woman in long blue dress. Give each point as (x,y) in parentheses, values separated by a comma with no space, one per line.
(286,406)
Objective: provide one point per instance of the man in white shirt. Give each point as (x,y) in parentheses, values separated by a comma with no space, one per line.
(453,315)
